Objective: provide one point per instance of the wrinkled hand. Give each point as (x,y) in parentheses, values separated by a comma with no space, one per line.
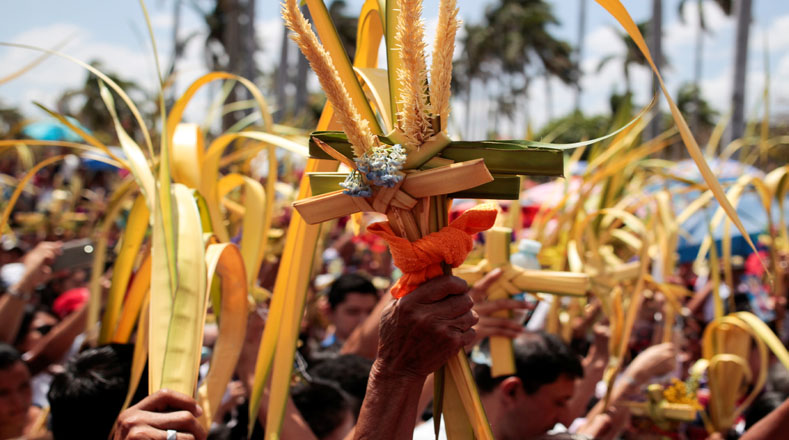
(37,264)
(421,331)
(153,416)
(656,360)
(488,324)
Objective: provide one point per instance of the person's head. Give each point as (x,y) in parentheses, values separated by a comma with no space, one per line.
(533,400)
(351,299)
(87,397)
(325,408)
(16,395)
(350,372)
(36,323)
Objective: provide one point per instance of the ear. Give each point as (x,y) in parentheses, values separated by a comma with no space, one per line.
(510,388)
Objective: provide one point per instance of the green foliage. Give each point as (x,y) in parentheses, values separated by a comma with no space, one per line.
(85,104)
(10,119)
(632,55)
(690,102)
(575,127)
(512,45)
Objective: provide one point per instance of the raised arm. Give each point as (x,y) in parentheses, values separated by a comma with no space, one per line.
(418,334)
(37,271)
(774,425)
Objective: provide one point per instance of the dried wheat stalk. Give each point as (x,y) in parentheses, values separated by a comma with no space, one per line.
(356,128)
(414,120)
(441,69)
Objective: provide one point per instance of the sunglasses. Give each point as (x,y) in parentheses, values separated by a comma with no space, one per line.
(44,329)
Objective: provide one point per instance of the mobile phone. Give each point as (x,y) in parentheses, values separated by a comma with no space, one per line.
(76,254)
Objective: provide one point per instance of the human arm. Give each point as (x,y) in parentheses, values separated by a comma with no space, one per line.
(153,416)
(655,361)
(418,334)
(594,365)
(608,425)
(37,271)
(774,425)
(293,424)
(52,347)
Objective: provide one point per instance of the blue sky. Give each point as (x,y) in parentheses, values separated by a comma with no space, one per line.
(114,32)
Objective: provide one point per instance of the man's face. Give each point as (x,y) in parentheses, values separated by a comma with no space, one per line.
(16,396)
(534,414)
(351,312)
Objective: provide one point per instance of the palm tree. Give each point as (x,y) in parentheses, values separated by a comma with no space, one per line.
(726,7)
(632,56)
(85,104)
(656,47)
(230,44)
(579,50)
(346,24)
(512,45)
(10,120)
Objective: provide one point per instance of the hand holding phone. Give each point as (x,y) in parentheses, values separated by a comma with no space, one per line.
(75,254)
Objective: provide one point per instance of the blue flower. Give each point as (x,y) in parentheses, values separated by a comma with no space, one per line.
(355,186)
(381,165)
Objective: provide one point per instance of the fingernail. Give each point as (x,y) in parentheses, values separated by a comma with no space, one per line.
(199,410)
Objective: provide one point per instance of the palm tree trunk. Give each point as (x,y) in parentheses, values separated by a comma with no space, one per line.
(238,39)
(282,77)
(302,69)
(579,51)
(468,107)
(697,66)
(548,97)
(655,43)
(737,126)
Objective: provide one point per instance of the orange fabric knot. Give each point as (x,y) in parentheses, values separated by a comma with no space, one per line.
(421,260)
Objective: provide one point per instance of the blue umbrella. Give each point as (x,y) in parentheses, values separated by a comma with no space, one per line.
(98,165)
(53,130)
(695,229)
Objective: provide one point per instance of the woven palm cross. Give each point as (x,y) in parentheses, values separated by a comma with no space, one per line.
(512,281)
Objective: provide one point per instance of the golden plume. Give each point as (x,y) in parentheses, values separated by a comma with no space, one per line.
(413,121)
(441,69)
(356,128)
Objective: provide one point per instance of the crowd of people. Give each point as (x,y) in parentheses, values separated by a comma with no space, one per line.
(365,363)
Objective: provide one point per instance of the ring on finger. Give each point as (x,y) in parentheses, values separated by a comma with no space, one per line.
(172,434)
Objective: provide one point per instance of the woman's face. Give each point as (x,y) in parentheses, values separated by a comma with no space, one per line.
(41,324)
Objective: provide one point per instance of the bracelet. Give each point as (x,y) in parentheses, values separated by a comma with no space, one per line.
(629,380)
(14,293)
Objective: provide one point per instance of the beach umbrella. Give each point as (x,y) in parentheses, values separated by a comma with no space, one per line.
(53,130)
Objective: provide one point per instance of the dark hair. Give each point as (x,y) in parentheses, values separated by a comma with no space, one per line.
(540,358)
(349,283)
(322,404)
(8,356)
(87,397)
(350,372)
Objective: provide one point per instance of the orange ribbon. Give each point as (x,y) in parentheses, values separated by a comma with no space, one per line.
(421,260)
